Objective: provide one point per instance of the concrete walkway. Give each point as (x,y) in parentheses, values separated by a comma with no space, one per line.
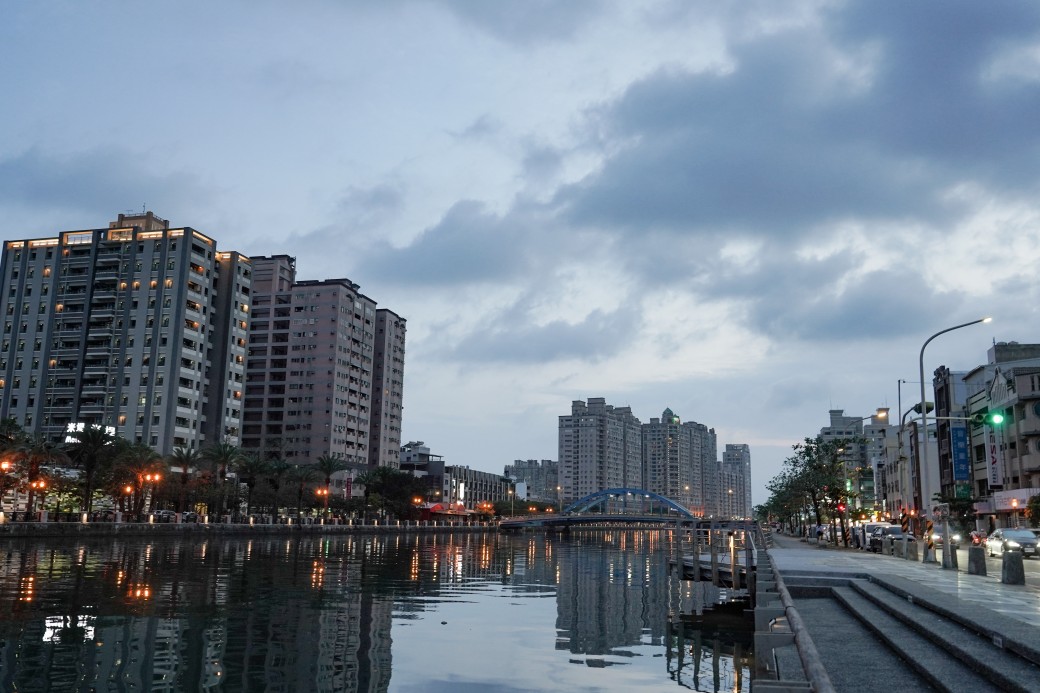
(1018,602)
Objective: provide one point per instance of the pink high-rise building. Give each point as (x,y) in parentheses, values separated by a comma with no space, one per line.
(325,369)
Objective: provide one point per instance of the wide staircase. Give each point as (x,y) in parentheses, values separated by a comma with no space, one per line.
(878,633)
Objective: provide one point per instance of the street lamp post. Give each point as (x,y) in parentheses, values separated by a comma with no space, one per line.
(929,556)
(510,492)
(37,487)
(5,466)
(559,497)
(152,479)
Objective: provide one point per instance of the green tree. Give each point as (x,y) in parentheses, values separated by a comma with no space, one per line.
(251,468)
(814,478)
(299,477)
(138,466)
(93,451)
(327,465)
(391,490)
(186,459)
(223,457)
(30,453)
(1033,510)
(276,475)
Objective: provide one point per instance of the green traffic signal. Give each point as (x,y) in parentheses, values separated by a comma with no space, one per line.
(993,418)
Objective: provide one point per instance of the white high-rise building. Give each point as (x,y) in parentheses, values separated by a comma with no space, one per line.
(600,448)
(736,469)
(139,327)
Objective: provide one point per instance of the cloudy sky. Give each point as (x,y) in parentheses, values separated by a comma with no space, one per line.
(748,212)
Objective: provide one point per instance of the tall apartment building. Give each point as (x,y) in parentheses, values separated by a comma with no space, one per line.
(137,327)
(541,476)
(312,369)
(736,472)
(600,447)
(669,467)
(384,449)
(705,477)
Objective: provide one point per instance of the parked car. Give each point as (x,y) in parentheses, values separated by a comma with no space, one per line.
(1004,540)
(165,516)
(868,529)
(189,517)
(893,531)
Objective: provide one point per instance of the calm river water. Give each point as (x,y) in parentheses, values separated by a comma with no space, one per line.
(423,613)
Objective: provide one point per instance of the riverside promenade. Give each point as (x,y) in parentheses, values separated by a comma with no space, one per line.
(879,622)
(1020,602)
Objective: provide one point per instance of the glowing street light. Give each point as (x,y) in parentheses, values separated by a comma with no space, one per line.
(929,556)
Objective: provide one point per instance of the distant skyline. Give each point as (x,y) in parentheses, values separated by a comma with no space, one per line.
(750,213)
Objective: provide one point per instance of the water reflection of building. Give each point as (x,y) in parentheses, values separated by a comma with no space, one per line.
(309,624)
(605,598)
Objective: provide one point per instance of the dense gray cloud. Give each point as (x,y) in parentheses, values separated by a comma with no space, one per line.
(96,183)
(470,245)
(786,141)
(513,338)
(877,306)
(530,21)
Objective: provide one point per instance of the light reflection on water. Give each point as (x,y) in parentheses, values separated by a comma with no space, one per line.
(462,612)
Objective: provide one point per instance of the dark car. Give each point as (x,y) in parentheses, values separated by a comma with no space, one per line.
(937,539)
(1004,540)
(876,542)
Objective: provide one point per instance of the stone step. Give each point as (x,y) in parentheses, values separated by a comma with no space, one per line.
(855,658)
(1011,634)
(974,649)
(928,659)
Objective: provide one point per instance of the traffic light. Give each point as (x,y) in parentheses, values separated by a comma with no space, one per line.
(841,507)
(992,418)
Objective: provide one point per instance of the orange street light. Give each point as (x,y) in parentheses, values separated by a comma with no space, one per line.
(323,493)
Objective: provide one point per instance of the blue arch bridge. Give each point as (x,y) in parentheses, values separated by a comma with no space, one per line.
(626,506)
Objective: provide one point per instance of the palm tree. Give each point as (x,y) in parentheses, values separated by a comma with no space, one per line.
(187,459)
(223,456)
(92,450)
(10,433)
(277,472)
(301,476)
(138,464)
(329,465)
(249,468)
(31,453)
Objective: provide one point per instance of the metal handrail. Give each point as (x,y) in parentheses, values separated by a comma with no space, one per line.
(812,665)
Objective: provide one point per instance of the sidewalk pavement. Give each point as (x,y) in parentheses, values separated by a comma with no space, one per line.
(793,556)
